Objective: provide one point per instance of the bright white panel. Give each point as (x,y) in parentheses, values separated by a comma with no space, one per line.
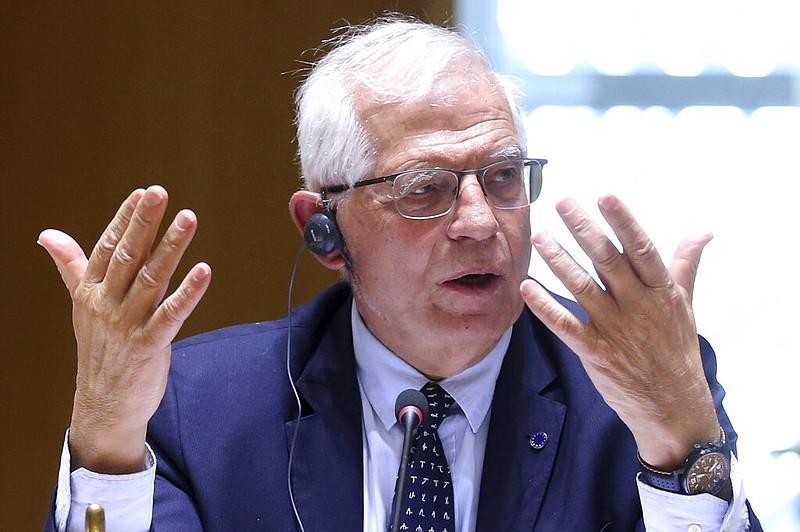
(681,37)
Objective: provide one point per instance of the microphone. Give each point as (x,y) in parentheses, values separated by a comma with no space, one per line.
(411,408)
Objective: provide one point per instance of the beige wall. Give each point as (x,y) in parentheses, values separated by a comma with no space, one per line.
(97,98)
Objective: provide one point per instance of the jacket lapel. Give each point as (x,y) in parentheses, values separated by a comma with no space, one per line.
(327,465)
(515,474)
(327,471)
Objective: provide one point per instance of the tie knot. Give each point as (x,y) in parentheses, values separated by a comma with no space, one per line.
(439,403)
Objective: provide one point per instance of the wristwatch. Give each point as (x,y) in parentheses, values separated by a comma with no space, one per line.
(707,469)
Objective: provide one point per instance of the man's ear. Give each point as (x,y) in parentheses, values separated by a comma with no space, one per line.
(302,206)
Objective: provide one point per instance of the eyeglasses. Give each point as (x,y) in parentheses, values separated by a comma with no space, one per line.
(427,193)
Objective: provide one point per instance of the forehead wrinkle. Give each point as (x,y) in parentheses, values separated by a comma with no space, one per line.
(480,109)
(449,149)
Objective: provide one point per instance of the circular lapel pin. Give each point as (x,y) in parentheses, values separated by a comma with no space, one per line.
(538,440)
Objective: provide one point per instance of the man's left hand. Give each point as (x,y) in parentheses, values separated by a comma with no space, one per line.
(639,345)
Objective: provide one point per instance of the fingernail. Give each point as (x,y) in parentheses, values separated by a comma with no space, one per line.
(540,238)
(566,205)
(607,202)
(184,220)
(527,288)
(136,197)
(202,272)
(152,199)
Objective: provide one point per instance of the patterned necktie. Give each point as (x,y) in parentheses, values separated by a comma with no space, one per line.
(427,500)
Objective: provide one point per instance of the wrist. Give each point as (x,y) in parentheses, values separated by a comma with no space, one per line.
(666,446)
(106,450)
(706,469)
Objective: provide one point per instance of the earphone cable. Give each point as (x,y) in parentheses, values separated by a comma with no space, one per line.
(294,390)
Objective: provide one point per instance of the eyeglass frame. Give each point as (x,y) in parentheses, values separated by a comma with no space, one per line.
(460,174)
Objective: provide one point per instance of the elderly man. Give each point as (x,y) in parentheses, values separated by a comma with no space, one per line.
(543,414)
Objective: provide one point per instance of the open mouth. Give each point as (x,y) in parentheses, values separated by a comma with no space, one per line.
(475,279)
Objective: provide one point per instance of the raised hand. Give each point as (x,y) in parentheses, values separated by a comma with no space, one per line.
(640,345)
(123,326)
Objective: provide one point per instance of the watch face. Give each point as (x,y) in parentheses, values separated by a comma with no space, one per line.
(707,474)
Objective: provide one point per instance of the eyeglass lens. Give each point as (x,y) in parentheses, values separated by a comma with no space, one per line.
(431,193)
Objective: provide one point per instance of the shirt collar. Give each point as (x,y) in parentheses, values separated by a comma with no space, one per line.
(382,375)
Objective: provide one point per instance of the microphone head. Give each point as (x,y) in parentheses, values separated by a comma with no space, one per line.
(411,401)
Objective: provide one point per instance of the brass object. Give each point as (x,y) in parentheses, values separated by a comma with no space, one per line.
(95,518)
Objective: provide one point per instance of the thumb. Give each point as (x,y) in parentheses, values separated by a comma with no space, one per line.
(686,261)
(67,254)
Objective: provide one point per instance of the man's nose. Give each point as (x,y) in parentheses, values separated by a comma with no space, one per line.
(473,217)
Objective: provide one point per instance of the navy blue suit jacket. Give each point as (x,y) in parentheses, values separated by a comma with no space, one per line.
(223,431)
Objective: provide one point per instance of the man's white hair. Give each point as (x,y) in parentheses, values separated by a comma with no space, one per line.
(395,60)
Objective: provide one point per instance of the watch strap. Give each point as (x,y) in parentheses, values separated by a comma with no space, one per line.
(663,480)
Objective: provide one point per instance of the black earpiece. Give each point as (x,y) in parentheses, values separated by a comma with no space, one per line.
(322,234)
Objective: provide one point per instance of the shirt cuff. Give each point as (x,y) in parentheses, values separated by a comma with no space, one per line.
(667,511)
(127,500)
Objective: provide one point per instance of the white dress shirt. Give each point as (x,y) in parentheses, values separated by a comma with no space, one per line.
(382,376)
(128,499)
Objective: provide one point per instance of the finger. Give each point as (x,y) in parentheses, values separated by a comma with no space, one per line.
(563,323)
(67,255)
(153,278)
(173,311)
(134,247)
(104,249)
(686,261)
(577,280)
(609,263)
(636,245)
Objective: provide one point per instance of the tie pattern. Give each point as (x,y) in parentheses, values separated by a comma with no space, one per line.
(427,500)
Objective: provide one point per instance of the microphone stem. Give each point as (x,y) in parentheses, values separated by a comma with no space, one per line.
(408,426)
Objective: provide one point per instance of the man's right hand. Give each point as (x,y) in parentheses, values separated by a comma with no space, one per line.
(124,327)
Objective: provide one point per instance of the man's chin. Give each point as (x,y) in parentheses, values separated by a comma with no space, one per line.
(483,322)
